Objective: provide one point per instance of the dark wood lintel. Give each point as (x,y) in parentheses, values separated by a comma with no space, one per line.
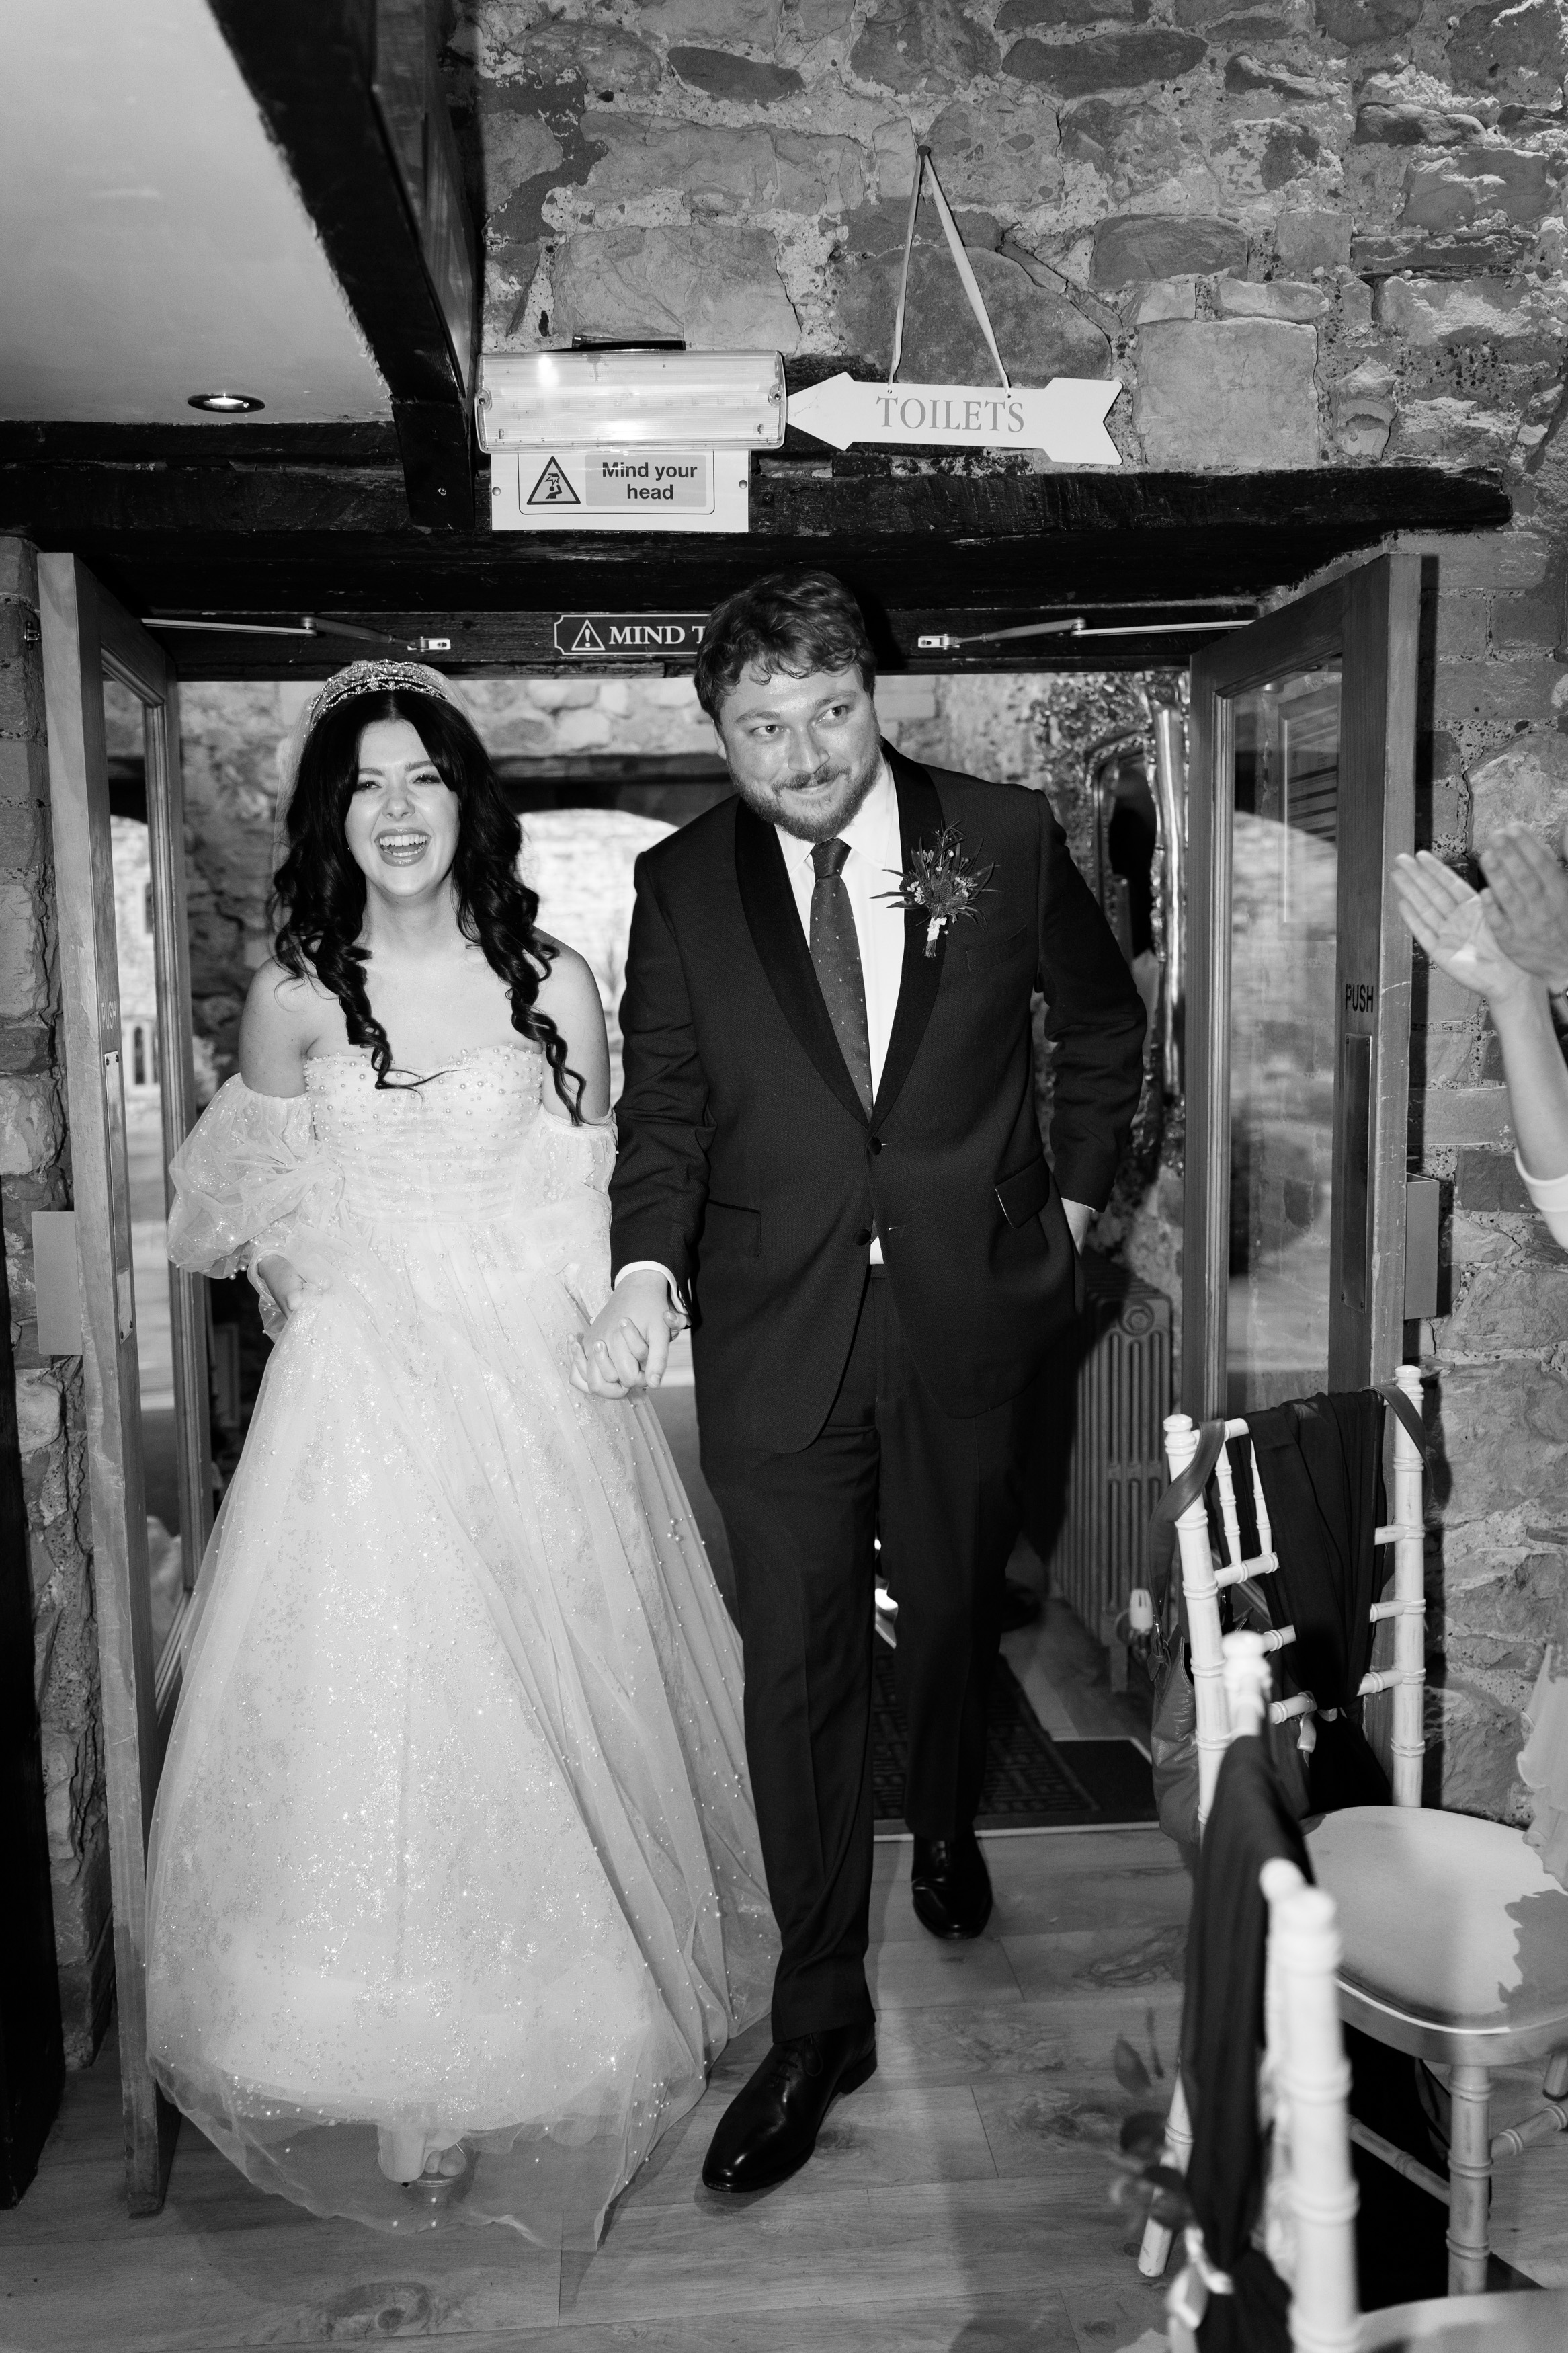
(279,541)
(860,499)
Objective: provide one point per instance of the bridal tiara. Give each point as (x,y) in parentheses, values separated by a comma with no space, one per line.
(377,678)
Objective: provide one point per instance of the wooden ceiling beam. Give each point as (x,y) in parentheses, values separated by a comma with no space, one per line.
(231,536)
(349,91)
(273,508)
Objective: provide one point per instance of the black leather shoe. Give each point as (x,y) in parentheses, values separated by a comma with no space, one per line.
(951,1885)
(769,2128)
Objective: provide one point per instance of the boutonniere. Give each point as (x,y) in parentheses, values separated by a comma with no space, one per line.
(940,881)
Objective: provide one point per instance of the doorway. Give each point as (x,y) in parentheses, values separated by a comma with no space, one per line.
(1299,792)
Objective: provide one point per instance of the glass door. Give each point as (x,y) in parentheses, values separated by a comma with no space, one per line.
(1302,794)
(120,885)
(157,1105)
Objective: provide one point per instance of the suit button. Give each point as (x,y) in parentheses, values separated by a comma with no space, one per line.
(863,1236)
(875,1144)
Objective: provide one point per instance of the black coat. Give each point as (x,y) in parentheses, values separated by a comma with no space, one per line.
(748,1166)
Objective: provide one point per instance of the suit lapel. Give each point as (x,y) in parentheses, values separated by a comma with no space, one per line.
(780,941)
(919,821)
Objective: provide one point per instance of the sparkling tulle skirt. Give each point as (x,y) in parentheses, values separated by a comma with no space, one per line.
(454,1849)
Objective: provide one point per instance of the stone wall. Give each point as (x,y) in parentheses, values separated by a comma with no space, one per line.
(1298,230)
(34,1174)
(1026,728)
(1302,233)
(1498,1579)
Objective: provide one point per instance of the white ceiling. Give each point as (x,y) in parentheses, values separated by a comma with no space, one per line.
(152,242)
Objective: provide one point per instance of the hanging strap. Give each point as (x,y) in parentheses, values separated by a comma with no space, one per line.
(1181,1491)
(1394,1399)
(924,166)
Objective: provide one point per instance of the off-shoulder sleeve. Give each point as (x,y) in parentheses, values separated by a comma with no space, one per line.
(248,1170)
(1550,1195)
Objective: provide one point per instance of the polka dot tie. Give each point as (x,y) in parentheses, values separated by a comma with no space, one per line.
(836,953)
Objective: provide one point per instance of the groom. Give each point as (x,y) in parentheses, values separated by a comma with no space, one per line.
(829,1149)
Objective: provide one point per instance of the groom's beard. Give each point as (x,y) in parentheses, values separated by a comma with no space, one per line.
(780,803)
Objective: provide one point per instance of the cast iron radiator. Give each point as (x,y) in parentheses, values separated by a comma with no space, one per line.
(1098,1467)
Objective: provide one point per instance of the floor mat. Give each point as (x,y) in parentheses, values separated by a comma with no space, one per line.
(1032,1782)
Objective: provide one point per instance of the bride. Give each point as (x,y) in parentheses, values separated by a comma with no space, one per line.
(455,1890)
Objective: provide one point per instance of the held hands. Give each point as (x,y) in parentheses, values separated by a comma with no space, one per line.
(1527,903)
(1451,922)
(625,1348)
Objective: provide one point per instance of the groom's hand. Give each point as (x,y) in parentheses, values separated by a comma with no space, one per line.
(626,1346)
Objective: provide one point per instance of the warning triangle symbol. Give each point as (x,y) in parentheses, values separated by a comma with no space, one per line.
(587,640)
(552,489)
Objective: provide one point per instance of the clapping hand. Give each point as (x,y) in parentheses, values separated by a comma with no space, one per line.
(1451,920)
(1527,903)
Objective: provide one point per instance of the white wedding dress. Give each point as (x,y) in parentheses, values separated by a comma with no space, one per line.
(455,1839)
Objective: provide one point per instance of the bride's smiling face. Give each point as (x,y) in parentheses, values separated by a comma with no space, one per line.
(402,822)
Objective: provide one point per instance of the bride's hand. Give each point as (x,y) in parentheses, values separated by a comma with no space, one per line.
(284,1281)
(1450,920)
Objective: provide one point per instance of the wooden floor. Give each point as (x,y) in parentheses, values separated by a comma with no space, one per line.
(960,2203)
(961,2200)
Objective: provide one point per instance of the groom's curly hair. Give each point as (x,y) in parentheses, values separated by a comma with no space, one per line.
(318,893)
(795,621)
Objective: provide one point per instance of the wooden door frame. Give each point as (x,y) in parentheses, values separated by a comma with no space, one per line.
(1368,621)
(86,638)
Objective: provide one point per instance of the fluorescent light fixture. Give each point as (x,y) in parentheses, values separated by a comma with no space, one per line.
(631,399)
(225,403)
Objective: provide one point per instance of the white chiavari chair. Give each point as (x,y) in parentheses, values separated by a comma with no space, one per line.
(1311,2078)
(1455,1936)
(1305,2062)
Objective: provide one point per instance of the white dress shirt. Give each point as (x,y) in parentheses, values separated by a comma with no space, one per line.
(875,864)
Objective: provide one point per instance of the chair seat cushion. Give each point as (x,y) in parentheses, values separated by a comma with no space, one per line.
(1454,1922)
(1532,2321)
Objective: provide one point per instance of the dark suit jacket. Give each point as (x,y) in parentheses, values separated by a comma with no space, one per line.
(748,1166)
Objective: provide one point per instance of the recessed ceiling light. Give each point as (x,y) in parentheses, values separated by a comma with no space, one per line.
(224,403)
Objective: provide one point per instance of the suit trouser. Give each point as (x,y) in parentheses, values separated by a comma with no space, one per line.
(942,1494)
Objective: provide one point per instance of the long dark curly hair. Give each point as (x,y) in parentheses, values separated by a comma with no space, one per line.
(318,893)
